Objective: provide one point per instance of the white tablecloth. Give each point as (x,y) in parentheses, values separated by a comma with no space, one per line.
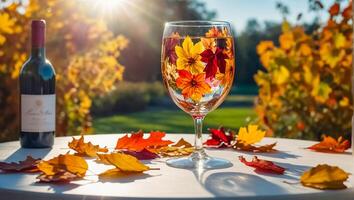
(236,182)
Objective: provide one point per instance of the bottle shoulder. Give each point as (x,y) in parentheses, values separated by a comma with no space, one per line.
(42,67)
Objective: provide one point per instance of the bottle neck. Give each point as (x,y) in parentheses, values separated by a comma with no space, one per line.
(38,52)
(38,39)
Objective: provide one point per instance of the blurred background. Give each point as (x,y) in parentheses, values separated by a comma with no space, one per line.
(293,64)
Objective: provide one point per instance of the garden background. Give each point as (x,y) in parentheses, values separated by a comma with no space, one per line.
(293,66)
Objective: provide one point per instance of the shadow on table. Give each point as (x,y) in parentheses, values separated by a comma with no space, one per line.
(127,178)
(58,187)
(227,184)
(230,184)
(22,153)
(276,154)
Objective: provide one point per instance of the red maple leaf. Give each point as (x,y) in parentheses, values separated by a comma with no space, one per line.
(214,61)
(137,142)
(142,155)
(219,138)
(27,165)
(263,165)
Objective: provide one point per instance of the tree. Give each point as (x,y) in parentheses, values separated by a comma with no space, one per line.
(305,90)
(82,49)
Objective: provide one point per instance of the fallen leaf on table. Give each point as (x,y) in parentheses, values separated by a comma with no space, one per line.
(182,143)
(330,145)
(181,148)
(124,162)
(116,173)
(250,135)
(125,165)
(263,165)
(219,138)
(247,137)
(63,168)
(27,165)
(324,177)
(137,142)
(85,149)
(256,149)
(142,155)
(58,177)
(102,158)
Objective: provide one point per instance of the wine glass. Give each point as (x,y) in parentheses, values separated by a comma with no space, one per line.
(198,67)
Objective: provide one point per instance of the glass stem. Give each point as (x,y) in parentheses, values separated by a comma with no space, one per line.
(198,128)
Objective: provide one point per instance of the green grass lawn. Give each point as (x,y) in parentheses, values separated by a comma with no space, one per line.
(172,120)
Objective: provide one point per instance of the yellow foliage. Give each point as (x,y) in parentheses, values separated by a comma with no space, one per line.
(307,80)
(80,46)
(286,40)
(321,90)
(7,23)
(281,76)
(264,46)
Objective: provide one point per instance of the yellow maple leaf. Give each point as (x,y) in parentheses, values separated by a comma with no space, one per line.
(124,162)
(324,177)
(250,135)
(115,173)
(126,165)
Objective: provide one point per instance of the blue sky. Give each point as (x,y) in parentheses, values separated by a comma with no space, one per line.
(239,11)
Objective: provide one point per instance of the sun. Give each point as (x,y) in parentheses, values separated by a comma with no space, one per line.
(106,7)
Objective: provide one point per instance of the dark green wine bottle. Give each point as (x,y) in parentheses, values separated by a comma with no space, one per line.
(37,94)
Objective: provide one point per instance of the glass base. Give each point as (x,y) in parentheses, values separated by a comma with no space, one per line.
(199,159)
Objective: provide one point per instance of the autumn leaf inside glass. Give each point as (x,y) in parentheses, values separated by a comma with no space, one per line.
(198,69)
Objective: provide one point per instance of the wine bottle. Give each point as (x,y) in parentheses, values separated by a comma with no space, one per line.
(37,94)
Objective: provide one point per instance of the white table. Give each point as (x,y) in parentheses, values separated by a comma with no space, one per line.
(236,182)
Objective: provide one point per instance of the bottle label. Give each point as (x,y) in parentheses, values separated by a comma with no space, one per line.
(37,113)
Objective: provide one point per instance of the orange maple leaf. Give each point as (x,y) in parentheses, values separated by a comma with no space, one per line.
(85,149)
(331,145)
(63,168)
(137,142)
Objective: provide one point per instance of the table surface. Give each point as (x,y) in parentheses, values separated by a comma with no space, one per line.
(236,182)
